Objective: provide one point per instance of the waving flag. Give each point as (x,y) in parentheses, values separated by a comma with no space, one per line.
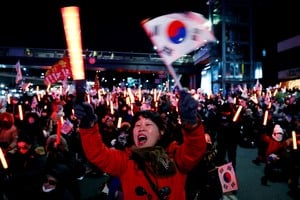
(177,34)
(59,71)
(227,178)
(19,76)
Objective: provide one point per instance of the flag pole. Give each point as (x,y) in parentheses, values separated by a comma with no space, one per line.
(173,74)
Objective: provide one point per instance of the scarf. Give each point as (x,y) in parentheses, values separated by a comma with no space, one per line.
(156,160)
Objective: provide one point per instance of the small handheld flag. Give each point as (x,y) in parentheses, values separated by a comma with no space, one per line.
(227,178)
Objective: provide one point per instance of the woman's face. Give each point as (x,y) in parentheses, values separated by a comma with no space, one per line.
(145,133)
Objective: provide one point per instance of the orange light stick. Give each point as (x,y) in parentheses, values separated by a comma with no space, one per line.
(48,88)
(99,94)
(294,140)
(8,98)
(58,129)
(119,122)
(275,92)
(265,117)
(158,96)
(140,94)
(130,95)
(3,160)
(112,107)
(20,112)
(237,114)
(269,105)
(72,29)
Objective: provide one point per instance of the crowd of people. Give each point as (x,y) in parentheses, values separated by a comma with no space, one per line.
(151,144)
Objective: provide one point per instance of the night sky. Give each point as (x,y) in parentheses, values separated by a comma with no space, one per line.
(115,25)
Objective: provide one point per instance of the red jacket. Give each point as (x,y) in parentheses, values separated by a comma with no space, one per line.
(118,163)
(273,146)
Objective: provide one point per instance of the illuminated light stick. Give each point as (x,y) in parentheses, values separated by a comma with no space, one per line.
(158,96)
(99,94)
(275,92)
(127,101)
(3,160)
(48,88)
(131,109)
(38,93)
(130,95)
(58,130)
(119,122)
(237,114)
(71,23)
(154,95)
(294,140)
(176,108)
(72,29)
(42,93)
(107,100)
(111,107)
(265,117)
(38,97)
(60,90)
(20,112)
(269,105)
(140,94)
(254,99)
(8,98)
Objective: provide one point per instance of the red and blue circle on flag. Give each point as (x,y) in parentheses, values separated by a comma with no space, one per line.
(227,177)
(176,31)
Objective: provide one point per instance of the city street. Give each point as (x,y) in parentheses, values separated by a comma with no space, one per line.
(248,177)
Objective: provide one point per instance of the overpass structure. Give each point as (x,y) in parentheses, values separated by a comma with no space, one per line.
(38,61)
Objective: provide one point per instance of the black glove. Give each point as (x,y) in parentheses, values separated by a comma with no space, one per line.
(188,108)
(86,114)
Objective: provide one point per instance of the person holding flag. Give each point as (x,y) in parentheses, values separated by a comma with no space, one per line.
(154,167)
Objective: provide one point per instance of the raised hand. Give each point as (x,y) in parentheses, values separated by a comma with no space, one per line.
(188,108)
(85,114)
